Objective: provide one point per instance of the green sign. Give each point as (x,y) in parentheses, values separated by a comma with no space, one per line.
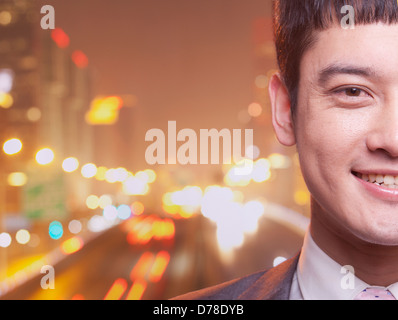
(44,196)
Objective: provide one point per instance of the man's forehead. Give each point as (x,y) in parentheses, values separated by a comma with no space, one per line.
(368,51)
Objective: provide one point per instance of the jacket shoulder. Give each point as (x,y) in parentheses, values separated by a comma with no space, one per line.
(272,284)
(226,291)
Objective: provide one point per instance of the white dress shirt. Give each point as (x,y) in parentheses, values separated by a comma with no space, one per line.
(319,277)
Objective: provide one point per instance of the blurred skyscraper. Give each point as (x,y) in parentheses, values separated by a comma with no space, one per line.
(44,94)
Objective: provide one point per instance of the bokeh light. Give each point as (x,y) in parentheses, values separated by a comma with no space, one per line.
(89,170)
(6,100)
(17,179)
(255,109)
(5,239)
(75,226)
(45,156)
(110,212)
(5,17)
(22,236)
(12,146)
(55,230)
(70,164)
(92,202)
(123,212)
(137,208)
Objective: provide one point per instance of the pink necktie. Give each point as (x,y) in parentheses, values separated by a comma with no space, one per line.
(375,294)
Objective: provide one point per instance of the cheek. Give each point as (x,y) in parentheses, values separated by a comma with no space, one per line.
(327,144)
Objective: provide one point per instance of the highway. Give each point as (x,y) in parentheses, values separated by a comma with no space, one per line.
(114,266)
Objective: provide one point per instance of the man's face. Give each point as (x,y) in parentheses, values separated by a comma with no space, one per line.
(346,130)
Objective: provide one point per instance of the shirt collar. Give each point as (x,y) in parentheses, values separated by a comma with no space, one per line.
(322,278)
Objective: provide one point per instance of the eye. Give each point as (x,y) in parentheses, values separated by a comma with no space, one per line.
(353,92)
(352,96)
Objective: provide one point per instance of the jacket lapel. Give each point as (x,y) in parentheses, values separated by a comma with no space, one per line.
(274,284)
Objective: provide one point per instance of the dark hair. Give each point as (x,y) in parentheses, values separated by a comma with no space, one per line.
(296,20)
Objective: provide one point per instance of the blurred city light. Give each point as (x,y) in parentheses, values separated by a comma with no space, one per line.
(142,266)
(252,211)
(252,152)
(5,18)
(33,114)
(92,202)
(75,226)
(110,213)
(111,175)
(233,219)
(183,203)
(6,100)
(6,80)
(278,260)
(137,290)
(98,223)
(255,109)
(60,38)
(302,197)
(259,172)
(12,146)
(159,266)
(117,290)
(163,229)
(22,236)
(17,179)
(279,161)
(80,59)
(45,156)
(104,200)
(135,186)
(123,212)
(261,81)
(55,230)
(70,164)
(116,175)
(89,170)
(5,239)
(104,111)
(137,208)
(72,245)
(101,173)
(120,174)
(151,175)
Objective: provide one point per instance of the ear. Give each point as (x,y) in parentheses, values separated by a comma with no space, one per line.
(281,111)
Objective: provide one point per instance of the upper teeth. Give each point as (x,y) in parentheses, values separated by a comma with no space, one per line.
(387,180)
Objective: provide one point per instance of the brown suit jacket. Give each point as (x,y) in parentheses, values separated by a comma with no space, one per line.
(273,284)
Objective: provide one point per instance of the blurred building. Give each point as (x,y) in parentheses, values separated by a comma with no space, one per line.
(44,94)
(19,70)
(19,87)
(65,97)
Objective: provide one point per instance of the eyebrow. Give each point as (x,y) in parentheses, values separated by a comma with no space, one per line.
(336,69)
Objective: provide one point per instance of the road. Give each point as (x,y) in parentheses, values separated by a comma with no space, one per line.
(113,266)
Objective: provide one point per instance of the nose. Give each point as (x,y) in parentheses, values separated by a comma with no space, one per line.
(384,136)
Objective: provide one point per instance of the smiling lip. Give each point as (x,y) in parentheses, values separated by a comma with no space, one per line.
(377,188)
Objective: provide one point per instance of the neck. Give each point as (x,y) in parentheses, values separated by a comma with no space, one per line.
(374,264)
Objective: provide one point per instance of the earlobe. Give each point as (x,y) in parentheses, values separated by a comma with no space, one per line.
(281,111)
